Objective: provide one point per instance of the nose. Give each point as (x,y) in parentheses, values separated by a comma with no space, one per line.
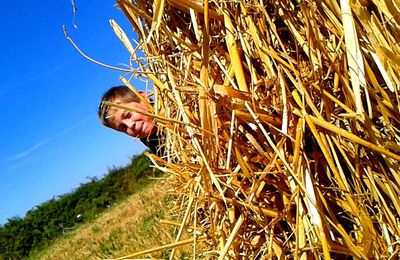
(128,122)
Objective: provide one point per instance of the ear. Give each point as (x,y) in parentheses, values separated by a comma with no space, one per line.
(142,93)
(144,98)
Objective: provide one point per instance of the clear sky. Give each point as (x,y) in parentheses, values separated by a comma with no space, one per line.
(51,140)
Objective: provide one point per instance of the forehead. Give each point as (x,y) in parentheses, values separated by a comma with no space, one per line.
(125,103)
(113,111)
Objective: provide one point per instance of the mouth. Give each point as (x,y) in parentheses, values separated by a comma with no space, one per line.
(140,129)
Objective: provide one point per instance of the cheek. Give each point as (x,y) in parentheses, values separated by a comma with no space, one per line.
(149,119)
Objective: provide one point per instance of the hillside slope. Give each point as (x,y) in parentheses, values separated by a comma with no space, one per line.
(131,226)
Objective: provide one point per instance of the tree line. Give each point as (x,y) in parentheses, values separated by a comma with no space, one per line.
(19,237)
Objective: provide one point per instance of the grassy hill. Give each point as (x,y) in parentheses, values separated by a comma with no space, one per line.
(131,226)
(105,218)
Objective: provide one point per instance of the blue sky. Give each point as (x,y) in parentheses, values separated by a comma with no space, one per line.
(51,140)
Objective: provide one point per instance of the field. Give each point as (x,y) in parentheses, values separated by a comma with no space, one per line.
(131,226)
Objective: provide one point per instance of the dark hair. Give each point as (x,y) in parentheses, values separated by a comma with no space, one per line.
(122,93)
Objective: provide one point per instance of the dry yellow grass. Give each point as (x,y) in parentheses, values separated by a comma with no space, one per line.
(131,225)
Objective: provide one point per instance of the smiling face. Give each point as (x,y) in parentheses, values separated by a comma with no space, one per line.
(131,123)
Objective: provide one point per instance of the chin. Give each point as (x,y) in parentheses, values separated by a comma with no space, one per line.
(147,134)
(147,131)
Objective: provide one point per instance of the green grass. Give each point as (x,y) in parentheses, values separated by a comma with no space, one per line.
(128,227)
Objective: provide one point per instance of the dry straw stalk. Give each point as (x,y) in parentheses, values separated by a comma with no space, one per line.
(281,121)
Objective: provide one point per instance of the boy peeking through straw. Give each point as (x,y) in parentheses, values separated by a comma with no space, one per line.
(134,122)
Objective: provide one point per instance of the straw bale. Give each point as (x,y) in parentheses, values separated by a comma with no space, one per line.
(281,120)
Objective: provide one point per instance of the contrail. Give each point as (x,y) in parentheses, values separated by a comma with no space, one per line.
(30,150)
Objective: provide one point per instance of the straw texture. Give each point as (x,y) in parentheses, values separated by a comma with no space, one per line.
(280,120)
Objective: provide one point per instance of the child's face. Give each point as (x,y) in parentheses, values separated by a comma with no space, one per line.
(133,124)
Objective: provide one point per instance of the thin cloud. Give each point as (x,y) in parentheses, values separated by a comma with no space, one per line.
(19,84)
(30,151)
(30,159)
(40,75)
(71,127)
(20,163)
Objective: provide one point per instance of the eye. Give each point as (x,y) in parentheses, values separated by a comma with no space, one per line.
(126,114)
